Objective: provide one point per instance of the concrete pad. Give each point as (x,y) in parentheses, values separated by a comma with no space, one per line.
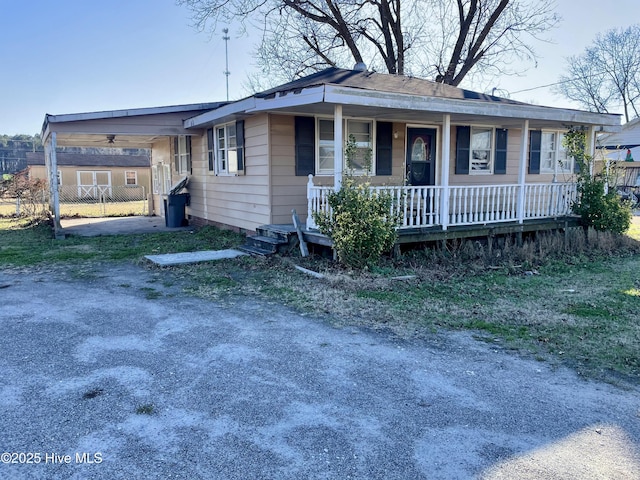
(93,227)
(192,257)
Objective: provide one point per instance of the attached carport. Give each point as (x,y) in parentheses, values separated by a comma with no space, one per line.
(150,128)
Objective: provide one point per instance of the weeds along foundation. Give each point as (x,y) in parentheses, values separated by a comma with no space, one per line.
(535,249)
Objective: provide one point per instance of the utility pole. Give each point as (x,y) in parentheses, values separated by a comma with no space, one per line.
(226,39)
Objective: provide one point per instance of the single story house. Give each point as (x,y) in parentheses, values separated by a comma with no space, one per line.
(87,176)
(452,157)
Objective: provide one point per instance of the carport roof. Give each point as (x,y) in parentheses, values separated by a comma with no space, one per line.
(132,128)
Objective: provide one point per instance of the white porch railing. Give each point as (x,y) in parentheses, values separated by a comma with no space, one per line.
(468,205)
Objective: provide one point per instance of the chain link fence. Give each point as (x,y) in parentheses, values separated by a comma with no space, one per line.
(86,201)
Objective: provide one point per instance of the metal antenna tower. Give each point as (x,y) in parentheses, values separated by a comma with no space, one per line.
(226,39)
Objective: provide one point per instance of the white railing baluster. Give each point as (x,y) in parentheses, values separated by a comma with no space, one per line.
(468,205)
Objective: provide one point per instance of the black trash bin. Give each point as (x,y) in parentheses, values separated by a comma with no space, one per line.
(174,209)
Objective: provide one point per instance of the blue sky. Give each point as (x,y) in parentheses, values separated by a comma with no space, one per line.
(69,56)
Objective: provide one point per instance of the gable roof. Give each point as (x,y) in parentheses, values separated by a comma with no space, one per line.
(378,82)
(88,160)
(397,98)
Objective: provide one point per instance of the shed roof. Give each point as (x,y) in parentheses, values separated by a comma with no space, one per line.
(88,160)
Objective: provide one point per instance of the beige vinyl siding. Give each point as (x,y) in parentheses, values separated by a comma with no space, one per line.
(240,201)
(70,174)
(38,171)
(289,191)
(513,165)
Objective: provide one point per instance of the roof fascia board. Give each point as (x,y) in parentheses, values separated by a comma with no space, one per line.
(134,112)
(354,96)
(203,119)
(306,96)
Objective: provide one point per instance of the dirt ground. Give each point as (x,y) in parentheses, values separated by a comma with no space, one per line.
(111,371)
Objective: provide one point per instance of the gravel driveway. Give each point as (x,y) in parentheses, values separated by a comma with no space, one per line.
(106,373)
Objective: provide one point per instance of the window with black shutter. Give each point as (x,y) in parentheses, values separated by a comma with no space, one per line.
(384,148)
(305,146)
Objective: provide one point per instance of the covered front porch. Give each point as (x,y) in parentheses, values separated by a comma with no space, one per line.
(444,207)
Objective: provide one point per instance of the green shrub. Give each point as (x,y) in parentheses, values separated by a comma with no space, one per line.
(598,210)
(602,211)
(360,224)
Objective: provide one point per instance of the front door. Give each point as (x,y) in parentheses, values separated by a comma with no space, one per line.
(421,156)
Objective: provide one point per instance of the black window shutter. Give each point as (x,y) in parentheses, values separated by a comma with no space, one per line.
(384,148)
(305,138)
(500,166)
(210,149)
(463,143)
(240,144)
(535,141)
(176,154)
(188,145)
(576,167)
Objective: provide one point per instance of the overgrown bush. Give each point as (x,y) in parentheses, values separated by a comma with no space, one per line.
(26,191)
(360,223)
(602,211)
(598,210)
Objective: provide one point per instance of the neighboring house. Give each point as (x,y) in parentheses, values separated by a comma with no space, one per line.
(87,176)
(453,158)
(622,150)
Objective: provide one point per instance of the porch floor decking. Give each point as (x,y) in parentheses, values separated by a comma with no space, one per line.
(432,234)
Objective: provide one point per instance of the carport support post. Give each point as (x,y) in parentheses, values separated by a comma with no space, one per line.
(338,147)
(51,160)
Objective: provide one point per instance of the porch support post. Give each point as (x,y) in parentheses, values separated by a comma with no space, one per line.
(590,147)
(338,147)
(51,161)
(522,171)
(444,174)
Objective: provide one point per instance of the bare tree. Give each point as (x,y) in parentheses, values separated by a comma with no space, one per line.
(440,39)
(607,75)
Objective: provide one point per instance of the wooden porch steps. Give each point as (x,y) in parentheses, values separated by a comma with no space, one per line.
(270,239)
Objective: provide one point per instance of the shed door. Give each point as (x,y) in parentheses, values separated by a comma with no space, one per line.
(94,184)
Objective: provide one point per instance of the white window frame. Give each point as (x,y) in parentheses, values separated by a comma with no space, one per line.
(182,156)
(166,173)
(226,149)
(561,162)
(161,178)
(492,150)
(330,144)
(135,178)
(155,179)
